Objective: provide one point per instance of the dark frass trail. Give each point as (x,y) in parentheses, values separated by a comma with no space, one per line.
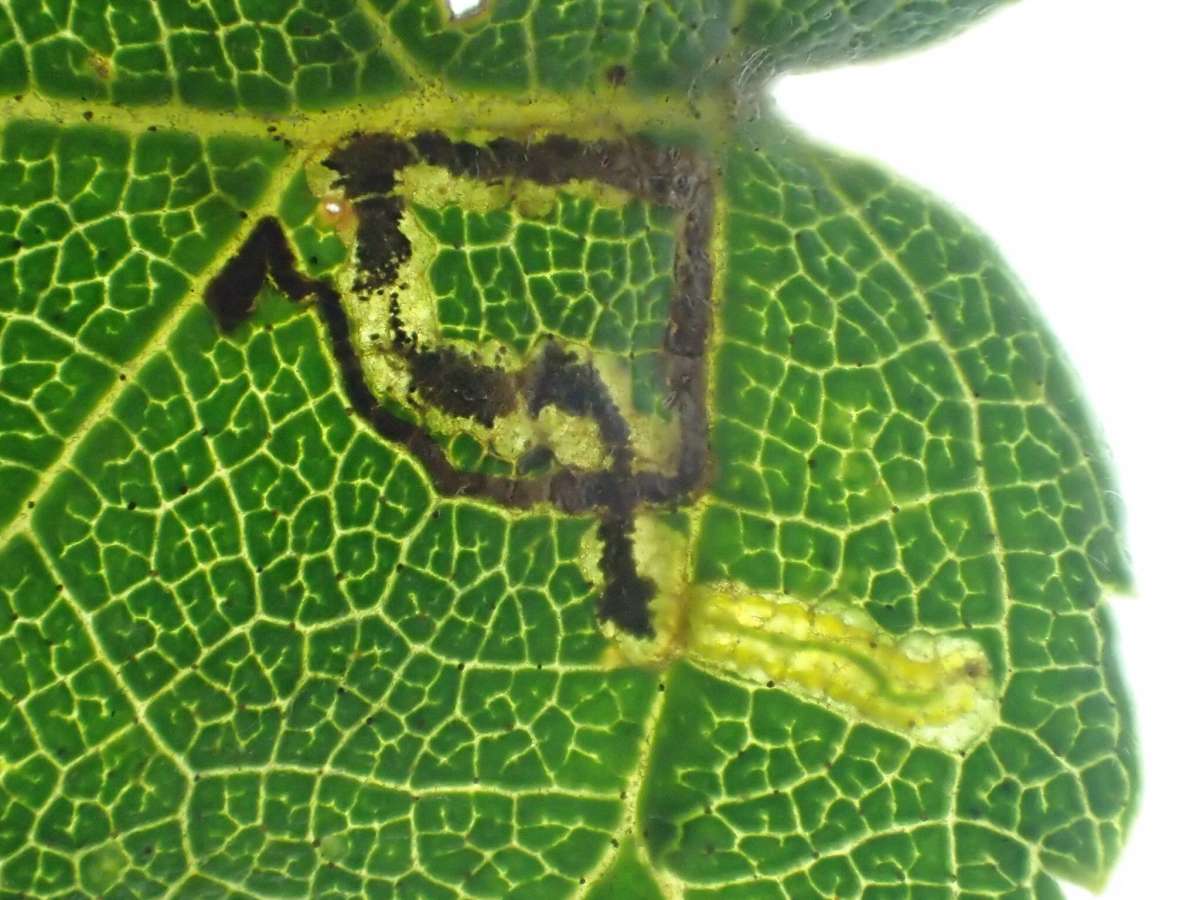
(448,380)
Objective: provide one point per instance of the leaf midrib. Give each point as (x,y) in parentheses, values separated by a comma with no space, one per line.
(586,114)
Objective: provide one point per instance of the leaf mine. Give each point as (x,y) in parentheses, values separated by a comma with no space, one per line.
(495,457)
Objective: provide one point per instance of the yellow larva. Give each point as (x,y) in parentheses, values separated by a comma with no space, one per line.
(936,689)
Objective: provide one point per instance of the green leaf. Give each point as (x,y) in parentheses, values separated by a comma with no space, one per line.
(469,457)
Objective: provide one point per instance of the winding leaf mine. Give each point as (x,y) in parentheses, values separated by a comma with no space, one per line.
(493,457)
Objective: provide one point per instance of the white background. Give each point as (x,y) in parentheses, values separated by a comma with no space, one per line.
(1067,130)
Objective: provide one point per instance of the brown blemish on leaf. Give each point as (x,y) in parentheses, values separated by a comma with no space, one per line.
(100,65)
(335,211)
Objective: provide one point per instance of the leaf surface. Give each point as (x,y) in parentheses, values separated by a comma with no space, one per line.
(468,457)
